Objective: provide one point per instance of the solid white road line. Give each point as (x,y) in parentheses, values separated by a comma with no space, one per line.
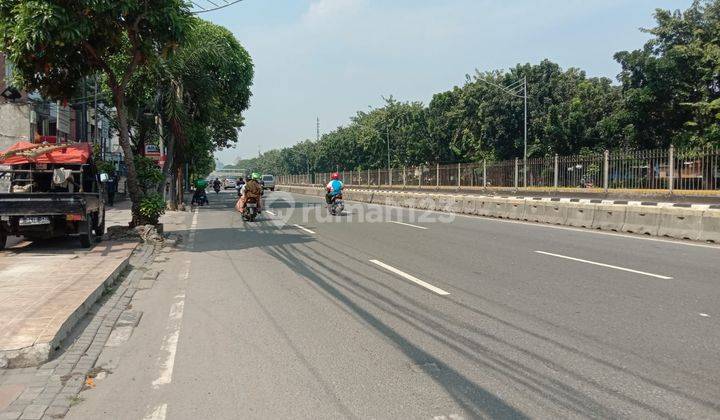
(166,360)
(270,213)
(408,224)
(413,279)
(605,265)
(159,413)
(304,229)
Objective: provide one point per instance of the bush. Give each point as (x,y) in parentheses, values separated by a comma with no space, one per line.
(152,206)
(149,173)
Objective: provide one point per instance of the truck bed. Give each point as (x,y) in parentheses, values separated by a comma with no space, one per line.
(47,204)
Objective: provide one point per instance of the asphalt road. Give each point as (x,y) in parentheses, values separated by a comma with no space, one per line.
(301,315)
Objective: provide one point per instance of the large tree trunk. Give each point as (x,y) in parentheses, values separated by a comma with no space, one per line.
(172,194)
(133,185)
(169,163)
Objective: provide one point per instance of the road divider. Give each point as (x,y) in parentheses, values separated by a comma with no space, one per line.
(674,222)
(614,267)
(410,277)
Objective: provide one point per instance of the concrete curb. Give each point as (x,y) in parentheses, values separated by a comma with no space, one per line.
(679,221)
(40,353)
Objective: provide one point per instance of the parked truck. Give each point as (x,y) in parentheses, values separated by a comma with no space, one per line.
(50,190)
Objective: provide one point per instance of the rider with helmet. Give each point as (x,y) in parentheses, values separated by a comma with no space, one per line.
(251,189)
(334,188)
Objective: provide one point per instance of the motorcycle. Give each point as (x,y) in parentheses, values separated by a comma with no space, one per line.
(251,210)
(216,187)
(337,205)
(199,198)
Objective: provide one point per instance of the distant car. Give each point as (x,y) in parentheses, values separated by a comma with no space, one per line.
(230,183)
(268,182)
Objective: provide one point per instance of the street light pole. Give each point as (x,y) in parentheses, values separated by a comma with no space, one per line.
(518,89)
(526,133)
(387,133)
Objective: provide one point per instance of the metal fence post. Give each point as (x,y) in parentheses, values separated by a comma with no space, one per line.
(484,173)
(606,170)
(390,171)
(420,178)
(437,175)
(671,168)
(404,176)
(378,180)
(458,176)
(516,173)
(556,171)
(368,178)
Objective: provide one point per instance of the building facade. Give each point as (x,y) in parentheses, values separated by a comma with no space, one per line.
(29,117)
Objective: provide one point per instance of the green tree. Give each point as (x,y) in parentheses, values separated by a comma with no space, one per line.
(672,86)
(54,44)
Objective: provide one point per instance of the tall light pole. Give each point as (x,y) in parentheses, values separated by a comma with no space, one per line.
(519,90)
(387,133)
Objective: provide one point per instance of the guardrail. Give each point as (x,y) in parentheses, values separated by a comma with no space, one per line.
(668,169)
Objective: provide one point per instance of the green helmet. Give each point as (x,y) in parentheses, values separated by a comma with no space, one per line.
(255,176)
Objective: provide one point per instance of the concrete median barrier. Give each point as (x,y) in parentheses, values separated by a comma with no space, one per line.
(580,215)
(673,222)
(535,211)
(681,223)
(512,208)
(555,214)
(609,217)
(642,220)
(710,227)
(468,205)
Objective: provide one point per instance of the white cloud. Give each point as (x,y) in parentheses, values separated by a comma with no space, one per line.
(328,10)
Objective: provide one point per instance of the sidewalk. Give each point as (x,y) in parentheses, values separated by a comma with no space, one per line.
(46,287)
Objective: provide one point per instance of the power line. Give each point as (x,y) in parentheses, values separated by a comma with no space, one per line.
(212,6)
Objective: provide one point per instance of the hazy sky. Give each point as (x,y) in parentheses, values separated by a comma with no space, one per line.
(331,58)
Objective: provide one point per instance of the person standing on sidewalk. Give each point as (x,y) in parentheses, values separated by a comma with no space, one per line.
(111,188)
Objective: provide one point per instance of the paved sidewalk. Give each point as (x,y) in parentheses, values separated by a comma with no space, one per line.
(43,295)
(48,391)
(47,286)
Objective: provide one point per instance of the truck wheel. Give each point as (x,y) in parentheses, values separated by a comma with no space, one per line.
(3,239)
(86,239)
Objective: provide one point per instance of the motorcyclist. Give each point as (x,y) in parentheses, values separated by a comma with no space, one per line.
(217,185)
(334,188)
(200,196)
(251,189)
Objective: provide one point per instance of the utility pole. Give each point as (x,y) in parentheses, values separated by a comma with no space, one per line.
(84,119)
(96,137)
(317,129)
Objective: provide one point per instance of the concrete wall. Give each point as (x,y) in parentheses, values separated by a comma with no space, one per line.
(672,222)
(14,123)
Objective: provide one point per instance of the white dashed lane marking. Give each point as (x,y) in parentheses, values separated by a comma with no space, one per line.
(605,265)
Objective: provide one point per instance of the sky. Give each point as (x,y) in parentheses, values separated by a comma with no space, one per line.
(328,59)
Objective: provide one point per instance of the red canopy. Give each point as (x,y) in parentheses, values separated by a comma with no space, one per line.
(75,154)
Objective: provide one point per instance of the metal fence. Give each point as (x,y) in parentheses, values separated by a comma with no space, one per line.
(668,169)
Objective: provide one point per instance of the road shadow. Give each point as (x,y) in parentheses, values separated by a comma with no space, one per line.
(472,398)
